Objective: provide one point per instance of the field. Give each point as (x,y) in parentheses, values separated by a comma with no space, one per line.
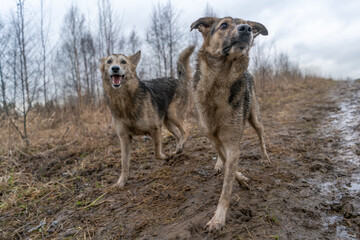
(60,187)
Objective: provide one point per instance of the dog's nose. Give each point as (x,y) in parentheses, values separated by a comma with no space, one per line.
(244,28)
(115,69)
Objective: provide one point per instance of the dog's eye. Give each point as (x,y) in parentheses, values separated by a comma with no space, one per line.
(109,61)
(223,26)
(123,62)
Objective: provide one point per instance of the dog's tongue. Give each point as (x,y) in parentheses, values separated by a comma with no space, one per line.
(116,79)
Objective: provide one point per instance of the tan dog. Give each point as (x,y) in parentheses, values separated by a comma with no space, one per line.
(224,96)
(142,107)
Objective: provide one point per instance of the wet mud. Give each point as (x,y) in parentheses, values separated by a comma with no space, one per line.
(310,191)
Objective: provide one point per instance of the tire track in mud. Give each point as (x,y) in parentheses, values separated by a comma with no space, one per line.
(341,188)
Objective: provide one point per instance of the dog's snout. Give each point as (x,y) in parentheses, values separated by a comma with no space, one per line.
(115,69)
(244,28)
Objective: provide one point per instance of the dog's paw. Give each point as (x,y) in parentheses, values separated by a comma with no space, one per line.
(163,156)
(244,185)
(242,180)
(178,150)
(119,185)
(214,225)
(218,166)
(265,159)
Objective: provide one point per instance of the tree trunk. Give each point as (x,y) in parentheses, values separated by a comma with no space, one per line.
(43,54)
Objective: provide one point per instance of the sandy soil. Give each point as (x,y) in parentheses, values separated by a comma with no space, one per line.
(310,191)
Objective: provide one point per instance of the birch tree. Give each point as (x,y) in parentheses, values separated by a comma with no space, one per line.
(164,37)
(20,68)
(109,38)
(72,34)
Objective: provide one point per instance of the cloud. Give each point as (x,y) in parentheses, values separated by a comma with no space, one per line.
(323,33)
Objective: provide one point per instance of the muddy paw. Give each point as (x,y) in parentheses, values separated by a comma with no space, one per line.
(162,157)
(244,185)
(178,150)
(242,180)
(218,166)
(118,185)
(265,160)
(214,225)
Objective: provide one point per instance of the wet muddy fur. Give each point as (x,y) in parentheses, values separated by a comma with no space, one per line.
(225,98)
(143,107)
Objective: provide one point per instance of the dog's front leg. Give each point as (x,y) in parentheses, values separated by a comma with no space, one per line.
(255,122)
(218,220)
(125,145)
(125,142)
(156,135)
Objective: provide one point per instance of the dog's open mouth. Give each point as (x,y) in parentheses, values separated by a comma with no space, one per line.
(117,80)
(240,44)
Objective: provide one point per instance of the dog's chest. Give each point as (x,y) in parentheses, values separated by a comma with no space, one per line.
(136,117)
(140,127)
(211,101)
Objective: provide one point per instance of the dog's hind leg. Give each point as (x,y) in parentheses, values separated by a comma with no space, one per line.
(221,156)
(175,132)
(255,122)
(218,220)
(184,134)
(240,178)
(156,136)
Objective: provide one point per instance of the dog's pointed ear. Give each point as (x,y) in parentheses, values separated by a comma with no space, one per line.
(102,64)
(102,60)
(135,58)
(203,24)
(258,28)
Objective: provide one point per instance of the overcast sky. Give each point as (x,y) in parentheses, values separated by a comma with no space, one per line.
(320,34)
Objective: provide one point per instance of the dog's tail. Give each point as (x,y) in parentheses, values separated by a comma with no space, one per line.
(183,64)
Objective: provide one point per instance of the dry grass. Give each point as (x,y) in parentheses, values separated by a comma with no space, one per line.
(25,187)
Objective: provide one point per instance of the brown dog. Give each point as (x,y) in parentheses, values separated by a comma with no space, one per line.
(224,96)
(142,107)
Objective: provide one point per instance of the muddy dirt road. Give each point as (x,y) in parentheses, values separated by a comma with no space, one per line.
(310,191)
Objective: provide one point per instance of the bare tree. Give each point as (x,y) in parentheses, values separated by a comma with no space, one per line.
(209,11)
(20,68)
(134,42)
(43,32)
(3,88)
(154,39)
(23,50)
(164,36)
(88,54)
(72,35)
(261,63)
(109,38)
(2,81)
